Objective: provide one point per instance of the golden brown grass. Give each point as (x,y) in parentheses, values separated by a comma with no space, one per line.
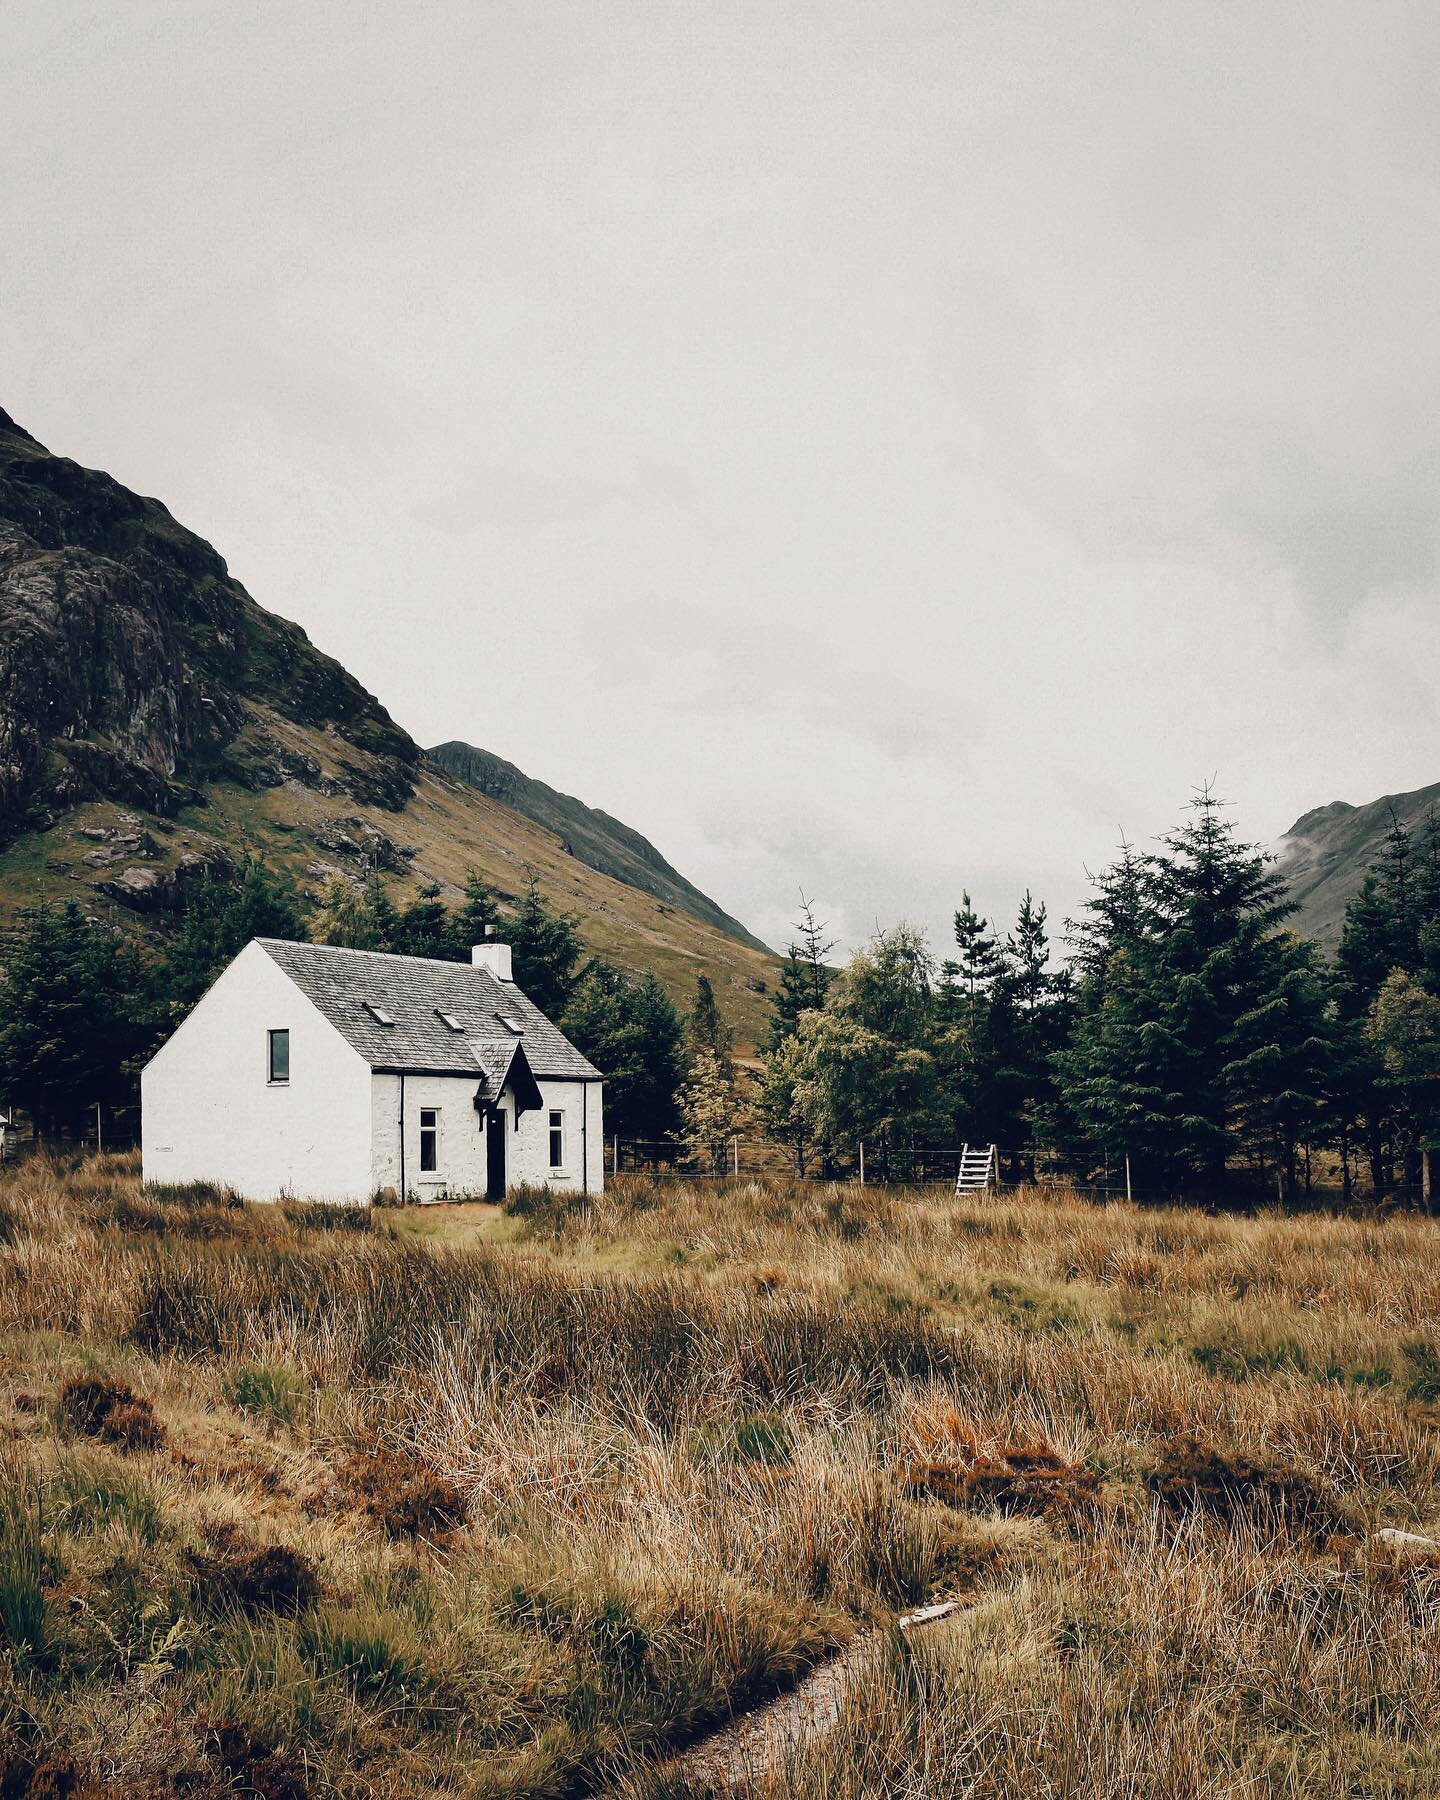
(442,1503)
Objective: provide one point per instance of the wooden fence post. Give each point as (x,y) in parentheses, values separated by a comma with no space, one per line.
(862,1162)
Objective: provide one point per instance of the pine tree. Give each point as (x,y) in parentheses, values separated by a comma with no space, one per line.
(1201,1038)
(546,952)
(383,920)
(1397,879)
(975,1015)
(1029,1018)
(221,918)
(632,1033)
(76,1015)
(977,962)
(472,918)
(657,1107)
(424,927)
(804,976)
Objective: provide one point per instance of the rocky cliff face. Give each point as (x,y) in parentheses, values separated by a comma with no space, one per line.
(134,668)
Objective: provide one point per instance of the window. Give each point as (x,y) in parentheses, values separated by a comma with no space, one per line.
(448,1020)
(377,1013)
(429,1139)
(557,1140)
(279,1065)
(511,1024)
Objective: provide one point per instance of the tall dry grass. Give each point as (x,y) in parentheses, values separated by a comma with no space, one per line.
(699,1434)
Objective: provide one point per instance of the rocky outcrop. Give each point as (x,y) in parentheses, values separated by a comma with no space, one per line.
(147,889)
(130,660)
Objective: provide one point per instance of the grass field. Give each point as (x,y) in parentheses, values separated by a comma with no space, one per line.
(460,1502)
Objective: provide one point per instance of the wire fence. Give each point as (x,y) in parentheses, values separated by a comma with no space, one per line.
(876,1165)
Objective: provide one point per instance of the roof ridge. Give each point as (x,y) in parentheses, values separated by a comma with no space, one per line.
(433,962)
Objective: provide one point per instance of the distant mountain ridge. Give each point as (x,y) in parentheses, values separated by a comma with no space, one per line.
(594,837)
(1325,854)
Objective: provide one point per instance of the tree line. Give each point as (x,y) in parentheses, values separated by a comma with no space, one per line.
(1190,1030)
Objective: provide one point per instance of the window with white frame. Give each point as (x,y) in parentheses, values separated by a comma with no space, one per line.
(429,1139)
(279,1057)
(557,1139)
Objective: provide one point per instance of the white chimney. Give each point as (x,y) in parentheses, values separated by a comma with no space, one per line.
(492,956)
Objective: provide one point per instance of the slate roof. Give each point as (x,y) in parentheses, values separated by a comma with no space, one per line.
(413,991)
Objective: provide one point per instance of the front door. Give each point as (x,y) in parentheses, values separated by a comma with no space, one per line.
(495,1156)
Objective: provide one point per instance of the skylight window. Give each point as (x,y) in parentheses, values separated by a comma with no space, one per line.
(448,1020)
(377,1013)
(511,1023)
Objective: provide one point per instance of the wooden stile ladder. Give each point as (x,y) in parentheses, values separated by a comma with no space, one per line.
(979,1169)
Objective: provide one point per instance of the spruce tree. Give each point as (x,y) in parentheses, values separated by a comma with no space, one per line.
(76,1016)
(220,919)
(804,976)
(423,928)
(471,919)
(546,952)
(1202,1039)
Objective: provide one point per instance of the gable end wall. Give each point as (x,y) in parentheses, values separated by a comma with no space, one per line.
(209,1113)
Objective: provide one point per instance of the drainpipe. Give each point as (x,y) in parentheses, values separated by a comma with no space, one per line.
(402,1137)
(585,1137)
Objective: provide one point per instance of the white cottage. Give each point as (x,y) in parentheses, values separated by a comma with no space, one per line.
(333,1074)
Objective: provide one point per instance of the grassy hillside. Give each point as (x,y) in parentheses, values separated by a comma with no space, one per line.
(593,836)
(445,828)
(450,1501)
(1325,854)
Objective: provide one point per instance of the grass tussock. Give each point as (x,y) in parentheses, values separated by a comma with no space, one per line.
(317,1501)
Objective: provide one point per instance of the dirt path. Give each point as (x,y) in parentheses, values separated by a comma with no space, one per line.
(751,1743)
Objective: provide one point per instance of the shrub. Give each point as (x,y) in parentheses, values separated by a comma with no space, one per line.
(112,1411)
(403,1496)
(270,1390)
(272,1579)
(1031,1479)
(257,1766)
(1193,1477)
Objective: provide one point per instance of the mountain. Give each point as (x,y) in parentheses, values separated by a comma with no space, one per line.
(1325,854)
(600,841)
(156,723)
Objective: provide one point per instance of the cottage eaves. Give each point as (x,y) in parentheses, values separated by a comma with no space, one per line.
(414,991)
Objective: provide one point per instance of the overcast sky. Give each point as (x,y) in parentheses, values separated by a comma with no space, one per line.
(883,448)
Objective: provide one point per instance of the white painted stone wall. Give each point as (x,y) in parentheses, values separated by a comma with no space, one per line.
(461,1171)
(209,1112)
(584,1149)
(462,1155)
